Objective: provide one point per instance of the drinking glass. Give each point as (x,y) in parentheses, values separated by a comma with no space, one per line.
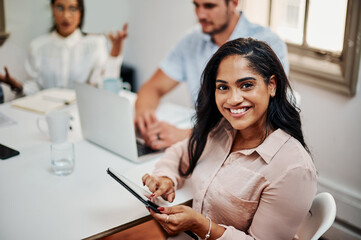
(62,158)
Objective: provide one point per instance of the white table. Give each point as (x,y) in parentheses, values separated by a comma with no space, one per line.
(37,204)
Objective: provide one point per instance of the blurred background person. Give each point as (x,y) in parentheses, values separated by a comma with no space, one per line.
(67,55)
(219,22)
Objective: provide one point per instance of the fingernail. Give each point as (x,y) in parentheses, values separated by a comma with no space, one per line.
(160,208)
(152,195)
(143,183)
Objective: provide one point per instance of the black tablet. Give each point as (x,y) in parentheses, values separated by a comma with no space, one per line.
(125,183)
(141,197)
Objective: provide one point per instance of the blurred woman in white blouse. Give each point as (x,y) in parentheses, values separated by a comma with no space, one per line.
(67,55)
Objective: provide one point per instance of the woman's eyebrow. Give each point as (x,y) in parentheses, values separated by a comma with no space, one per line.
(238,81)
(221,81)
(245,79)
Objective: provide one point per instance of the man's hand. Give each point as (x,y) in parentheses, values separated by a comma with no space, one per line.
(160,135)
(143,119)
(157,134)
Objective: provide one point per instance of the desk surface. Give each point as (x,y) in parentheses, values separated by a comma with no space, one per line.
(37,204)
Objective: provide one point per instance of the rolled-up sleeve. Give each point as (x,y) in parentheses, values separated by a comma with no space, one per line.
(168,164)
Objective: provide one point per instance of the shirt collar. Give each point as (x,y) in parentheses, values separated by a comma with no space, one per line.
(270,146)
(241,29)
(267,149)
(70,40)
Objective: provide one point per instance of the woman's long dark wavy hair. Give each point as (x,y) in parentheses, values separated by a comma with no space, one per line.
(81,9)
(281,113)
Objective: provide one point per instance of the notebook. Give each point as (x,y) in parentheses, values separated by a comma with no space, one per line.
(107,120)
(46,100)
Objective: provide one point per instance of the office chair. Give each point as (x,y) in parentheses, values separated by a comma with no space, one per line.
(127,73)
(320,218)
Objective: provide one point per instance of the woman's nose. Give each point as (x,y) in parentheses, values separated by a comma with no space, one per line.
(235,97)
(67,14)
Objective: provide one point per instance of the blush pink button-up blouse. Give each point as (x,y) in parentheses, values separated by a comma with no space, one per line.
(260,193)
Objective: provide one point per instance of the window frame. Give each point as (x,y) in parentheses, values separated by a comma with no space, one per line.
(328,70)
(346,65)
(3,34)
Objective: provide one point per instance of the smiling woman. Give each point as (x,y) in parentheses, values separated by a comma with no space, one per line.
(246,155)
(243,98)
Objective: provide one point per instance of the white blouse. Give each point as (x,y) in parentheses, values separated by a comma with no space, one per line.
(55,61)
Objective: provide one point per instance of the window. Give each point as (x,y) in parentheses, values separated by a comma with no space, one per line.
(3,34)
(323,38)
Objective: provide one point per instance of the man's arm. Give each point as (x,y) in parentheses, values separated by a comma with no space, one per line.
(149,96)
(157,135)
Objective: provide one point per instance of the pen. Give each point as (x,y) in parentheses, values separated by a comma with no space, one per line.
(55,99)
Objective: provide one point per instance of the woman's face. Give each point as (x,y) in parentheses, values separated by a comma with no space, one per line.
(66,15)
(242,96)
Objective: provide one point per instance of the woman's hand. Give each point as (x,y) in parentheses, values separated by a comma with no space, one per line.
(181,218)
(160,186)
(117,40)
(13,84)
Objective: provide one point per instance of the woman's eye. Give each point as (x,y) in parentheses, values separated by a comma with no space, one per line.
(73,9)
(60,8)
(247,85)
(222,87)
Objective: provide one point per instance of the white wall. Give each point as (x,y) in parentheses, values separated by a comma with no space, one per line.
(331,122)
(155,26)
(332,129)
(24,21)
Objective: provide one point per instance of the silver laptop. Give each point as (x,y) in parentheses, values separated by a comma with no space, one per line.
(107,120)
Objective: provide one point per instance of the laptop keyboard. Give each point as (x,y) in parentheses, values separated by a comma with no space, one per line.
(143,149)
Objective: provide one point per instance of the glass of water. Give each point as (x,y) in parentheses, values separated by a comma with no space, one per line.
(62,158)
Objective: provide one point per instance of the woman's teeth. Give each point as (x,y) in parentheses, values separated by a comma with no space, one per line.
(240,110)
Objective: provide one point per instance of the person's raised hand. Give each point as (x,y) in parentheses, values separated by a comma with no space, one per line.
(117,40)
(160,186)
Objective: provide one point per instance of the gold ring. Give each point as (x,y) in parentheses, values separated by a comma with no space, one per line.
(167,219)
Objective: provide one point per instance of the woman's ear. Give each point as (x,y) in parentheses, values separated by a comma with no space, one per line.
(272,85)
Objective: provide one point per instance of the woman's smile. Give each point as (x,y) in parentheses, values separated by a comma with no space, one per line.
(242,95)
(238,111)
